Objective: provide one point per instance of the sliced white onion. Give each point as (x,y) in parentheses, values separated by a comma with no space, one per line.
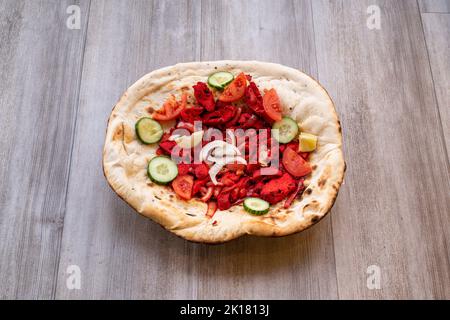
(214,170)
(187,142)
(207,149)
(220,163)
(226,150)
(220,153)
(174,137)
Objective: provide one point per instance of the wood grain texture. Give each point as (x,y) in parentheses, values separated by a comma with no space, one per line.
(40,63)
(435,6)
(121,254)
(58,86)
(393,210)
(295,267)
(437,31)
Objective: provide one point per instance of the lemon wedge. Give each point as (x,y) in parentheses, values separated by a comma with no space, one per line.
(307,142)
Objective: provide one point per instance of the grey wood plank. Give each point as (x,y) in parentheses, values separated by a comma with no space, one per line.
(40,63)
(394,209)
(296,267)
(121,254)
(442,6)
(437,31)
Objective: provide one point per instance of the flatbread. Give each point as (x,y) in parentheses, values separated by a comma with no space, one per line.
(302,98)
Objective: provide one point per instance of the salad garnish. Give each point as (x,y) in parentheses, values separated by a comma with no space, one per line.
(208,153)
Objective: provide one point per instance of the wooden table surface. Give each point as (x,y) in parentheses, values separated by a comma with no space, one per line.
(391,88)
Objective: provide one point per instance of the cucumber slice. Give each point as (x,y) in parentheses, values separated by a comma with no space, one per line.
(287,130)
(148,130)
(162,170)
(256,206)
(220,80)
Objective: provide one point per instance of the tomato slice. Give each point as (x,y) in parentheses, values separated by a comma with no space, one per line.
(235,90)
(295,164)
(171,108)
(183,186)
(271,104)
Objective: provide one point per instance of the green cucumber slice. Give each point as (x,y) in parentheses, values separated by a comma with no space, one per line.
(287,130)
(256,206)
(148,130)
(220,80)
(162,170)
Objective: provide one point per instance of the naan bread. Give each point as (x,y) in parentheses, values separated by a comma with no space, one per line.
(125,159)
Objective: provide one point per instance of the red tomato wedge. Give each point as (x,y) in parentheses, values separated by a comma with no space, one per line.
(235,90)
(171,108)
(271,104)
(183,186)
(295,164)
